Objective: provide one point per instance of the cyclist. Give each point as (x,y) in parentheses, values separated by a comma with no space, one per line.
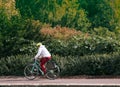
(44,56)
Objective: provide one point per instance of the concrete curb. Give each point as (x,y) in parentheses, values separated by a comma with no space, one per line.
(43,82)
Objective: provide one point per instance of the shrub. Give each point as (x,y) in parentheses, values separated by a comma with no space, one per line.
(105,64)
(104,32)
(65,13)
(14,65)
(17,35)
(15,46)
(62,33)
(32,30)
(82,45)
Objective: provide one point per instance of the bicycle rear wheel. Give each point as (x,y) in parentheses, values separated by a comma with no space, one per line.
(31,72)
(53,70)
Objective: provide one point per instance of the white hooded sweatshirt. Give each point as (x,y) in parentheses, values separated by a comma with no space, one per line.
(42,52)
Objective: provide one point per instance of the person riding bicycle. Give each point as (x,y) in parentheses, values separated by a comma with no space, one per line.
(44,55)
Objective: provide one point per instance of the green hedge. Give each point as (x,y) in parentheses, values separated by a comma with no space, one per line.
(14,65)
(80,46)
(15,46)
(105,64)
(17,35)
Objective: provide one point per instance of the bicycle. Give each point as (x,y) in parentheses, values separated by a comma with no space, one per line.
(32,70)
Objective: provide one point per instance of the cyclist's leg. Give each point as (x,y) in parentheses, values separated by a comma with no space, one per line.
(43,62)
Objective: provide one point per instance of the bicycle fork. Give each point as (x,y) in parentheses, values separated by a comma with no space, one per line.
(37,69)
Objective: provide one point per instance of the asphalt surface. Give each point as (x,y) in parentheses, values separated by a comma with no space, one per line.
(60,82)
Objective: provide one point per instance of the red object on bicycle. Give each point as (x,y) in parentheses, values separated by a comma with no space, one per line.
(43,62)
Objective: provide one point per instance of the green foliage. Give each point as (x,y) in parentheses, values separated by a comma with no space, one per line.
(9,8)
(55,12)
(102,31)
(32,30)
(4,27)
(83,45)
(74,17)
(15,46)
(3,19)
(77,14)
(14,65)
(16,36)
(100,13)
(105,64)
(116,15)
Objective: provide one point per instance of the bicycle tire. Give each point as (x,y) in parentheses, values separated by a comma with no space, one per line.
(29,73)
(53,71)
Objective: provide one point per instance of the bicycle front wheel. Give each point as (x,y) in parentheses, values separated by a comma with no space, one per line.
(31,71)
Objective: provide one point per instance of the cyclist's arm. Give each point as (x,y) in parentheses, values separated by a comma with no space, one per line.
(39,53)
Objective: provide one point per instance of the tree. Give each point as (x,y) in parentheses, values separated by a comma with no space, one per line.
(9,7)
(115,4)
(55,12)
(100,13)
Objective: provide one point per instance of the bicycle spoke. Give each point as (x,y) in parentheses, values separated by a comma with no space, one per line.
(29,72)
(53,72)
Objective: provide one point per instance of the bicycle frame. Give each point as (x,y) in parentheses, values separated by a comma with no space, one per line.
(37,65)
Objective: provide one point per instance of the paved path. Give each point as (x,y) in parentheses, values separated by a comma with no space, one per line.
(60,82)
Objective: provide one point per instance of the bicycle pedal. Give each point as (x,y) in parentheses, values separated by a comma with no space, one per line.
(35,70)
(51,71)
(55,75)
